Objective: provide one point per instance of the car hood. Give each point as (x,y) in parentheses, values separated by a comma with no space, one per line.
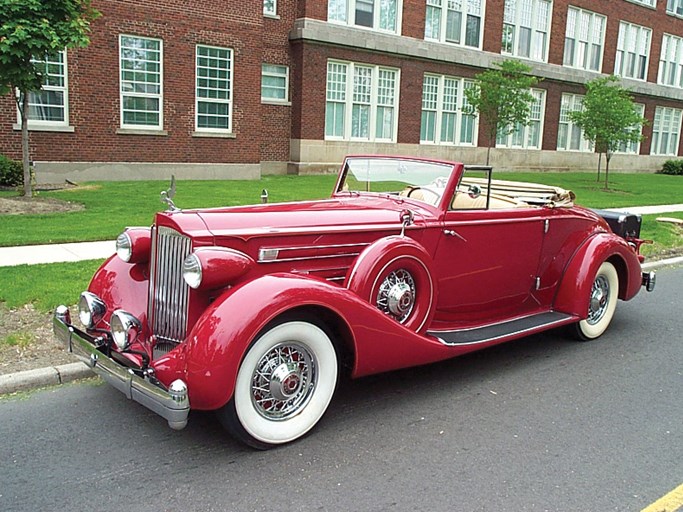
(339,214)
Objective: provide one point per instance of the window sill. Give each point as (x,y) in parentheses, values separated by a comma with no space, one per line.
(46,128)
(214,135)
(276,102)
(271,16)
(141,131)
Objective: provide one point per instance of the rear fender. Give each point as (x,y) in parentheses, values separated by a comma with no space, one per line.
(575,288)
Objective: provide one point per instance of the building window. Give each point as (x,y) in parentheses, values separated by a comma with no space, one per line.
(214,89)
(376,14)
(49,106)
(447,117)
(674,7)
(526,26)
(141,86)
(584,39)
(570,136)
(633,148)
(454,21)
(671,61)
(361,102)
(527,136)
(649,3)
(274,83)
(270,7)
(633,51)
(666,131)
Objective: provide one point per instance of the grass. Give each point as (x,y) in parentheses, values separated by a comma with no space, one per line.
(18,339)
(45,286)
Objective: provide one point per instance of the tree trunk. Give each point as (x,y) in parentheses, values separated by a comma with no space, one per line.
(599,164)
(23,110)
(488,154)
(608,155)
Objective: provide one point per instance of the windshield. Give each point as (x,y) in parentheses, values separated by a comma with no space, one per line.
(420,180)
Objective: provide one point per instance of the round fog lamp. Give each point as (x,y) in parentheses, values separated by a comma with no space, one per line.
(91,309)
(192,271)
(124,246)
(124,328)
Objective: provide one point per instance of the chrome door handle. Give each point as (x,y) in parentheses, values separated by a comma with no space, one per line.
(450,232)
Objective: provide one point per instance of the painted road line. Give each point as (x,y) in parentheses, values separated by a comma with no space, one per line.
(669,503)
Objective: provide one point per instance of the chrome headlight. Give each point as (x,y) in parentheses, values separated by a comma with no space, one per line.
(124,246)
(125,328)
(133,245)
(91,309)
(192,271)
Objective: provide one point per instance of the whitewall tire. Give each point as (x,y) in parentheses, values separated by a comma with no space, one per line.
(284,385)
(602,303)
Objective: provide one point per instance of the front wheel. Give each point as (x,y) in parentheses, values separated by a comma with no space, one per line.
(284,385)
(602,304)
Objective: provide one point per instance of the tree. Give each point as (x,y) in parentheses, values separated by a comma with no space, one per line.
(31,30)
(608,118)
(502,98)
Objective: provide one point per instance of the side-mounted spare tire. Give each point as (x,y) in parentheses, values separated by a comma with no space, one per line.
(395,275)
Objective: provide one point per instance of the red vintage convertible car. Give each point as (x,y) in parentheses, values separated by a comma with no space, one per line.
(255,311)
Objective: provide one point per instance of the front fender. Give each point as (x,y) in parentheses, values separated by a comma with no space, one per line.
(579,274)
(219,340)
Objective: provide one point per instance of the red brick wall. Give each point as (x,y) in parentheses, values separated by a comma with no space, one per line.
(94,86)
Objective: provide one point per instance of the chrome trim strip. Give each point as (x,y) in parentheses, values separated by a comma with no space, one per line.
(307,258)
(172,408)
(312,247)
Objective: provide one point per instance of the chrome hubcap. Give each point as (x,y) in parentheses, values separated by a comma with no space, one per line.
(283,381)
(396,295)
(599,300)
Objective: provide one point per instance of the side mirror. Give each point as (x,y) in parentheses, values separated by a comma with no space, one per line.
(474,191)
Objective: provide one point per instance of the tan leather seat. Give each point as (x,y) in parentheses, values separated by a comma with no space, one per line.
(462,201)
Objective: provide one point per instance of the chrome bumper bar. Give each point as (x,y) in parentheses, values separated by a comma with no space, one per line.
(172,405)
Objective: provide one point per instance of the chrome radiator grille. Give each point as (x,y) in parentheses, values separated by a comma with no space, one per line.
(168,292)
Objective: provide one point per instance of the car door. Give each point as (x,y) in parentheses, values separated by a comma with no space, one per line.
(486,261)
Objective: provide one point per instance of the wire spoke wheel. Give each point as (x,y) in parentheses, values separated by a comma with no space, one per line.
(602,303)
(396,295)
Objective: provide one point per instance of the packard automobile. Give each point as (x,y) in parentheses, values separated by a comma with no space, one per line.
(256,311)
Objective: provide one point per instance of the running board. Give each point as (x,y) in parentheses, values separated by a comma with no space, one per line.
(517,327)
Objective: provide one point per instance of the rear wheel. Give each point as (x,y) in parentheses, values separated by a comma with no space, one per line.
(284,385)
(602,304)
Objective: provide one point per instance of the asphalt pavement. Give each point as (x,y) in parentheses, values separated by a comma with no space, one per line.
(82,251)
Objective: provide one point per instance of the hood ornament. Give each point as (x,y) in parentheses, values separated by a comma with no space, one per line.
(167,196)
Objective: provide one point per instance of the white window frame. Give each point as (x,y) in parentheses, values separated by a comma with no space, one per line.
(647,3)
(666,123)
(584,43)
(270,8)
(514,21)
(671,61)
(200,99)
(633,45)
(674,7)
(47,125)
(439,106)
(266,73)
(349,94)
(524,132)
(440,7)
(344,12)
(159,96)
(569,103)
(633,148)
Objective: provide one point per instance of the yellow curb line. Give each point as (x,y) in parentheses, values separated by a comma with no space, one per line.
(669,503)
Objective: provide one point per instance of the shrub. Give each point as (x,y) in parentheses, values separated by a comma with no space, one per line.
(11,172)
(672,167)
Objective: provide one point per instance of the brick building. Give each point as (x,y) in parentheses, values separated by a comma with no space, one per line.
(218,89)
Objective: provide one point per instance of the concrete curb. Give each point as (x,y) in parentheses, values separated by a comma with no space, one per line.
(55,375)
(41,377)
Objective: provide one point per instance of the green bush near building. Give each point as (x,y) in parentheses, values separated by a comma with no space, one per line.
(11,172)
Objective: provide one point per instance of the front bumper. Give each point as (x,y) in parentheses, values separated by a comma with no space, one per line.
(173,404)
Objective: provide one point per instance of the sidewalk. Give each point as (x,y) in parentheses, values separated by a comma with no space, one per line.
(35,254)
